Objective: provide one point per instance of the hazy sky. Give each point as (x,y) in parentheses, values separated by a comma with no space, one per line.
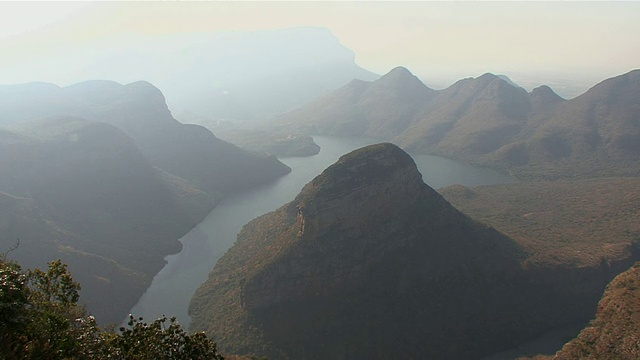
(439,41)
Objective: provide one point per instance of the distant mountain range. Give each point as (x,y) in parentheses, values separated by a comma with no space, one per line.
(369,262)
(101,175)
(255,75)
(139,109)
(489,121)
(261,141)
(223,75)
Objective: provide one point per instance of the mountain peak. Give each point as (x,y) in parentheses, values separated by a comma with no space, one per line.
(148,91)
(490,78)
(383,156)
(367,246)
(545,94)
(400,70)
(486,80)
(400,76)
(362,168)
(487,77)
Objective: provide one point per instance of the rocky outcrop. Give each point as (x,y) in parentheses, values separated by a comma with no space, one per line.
(369,262)
(615,332)
(334,211)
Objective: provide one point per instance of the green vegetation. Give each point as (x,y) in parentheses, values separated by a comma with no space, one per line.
(379,109)
(190,152)
(579,223)
(571,226)
(370,260)
(487,121)
(368,254)
(536,135)
(615,331)
(81,191)
(103,177)
(40,319)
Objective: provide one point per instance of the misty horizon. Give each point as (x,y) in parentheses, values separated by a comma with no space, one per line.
(345,180)
(567,46)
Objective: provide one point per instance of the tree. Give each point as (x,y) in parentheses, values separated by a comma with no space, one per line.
(40,319)
(14,297)
(162,339)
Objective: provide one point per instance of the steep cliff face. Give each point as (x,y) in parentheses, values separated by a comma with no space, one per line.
(139,109)
(615,331)
(341,211)
(115,181)
(369,262)
(83,192)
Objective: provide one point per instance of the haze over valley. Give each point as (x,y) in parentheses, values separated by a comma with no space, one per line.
(320,180)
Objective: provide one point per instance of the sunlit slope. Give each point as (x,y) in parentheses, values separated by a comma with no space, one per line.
(490,121)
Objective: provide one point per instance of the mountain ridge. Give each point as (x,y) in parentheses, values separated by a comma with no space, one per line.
(369,254)
(188,151)
(242,76)
(488,121)
(116,181)
(96,203)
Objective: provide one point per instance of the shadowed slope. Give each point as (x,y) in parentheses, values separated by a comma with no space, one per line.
(139,109)
(369,262)
(83,192)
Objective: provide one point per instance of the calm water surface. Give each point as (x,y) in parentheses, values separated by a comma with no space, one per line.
(173,287)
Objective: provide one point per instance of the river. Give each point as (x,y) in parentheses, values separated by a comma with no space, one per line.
(172,288)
